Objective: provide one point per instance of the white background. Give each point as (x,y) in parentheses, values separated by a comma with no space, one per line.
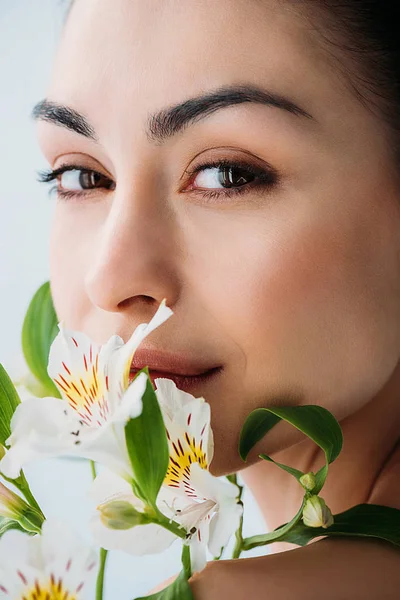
(29,31)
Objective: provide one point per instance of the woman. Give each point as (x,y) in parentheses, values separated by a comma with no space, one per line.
(240,158)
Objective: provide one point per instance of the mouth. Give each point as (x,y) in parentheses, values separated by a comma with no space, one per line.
(187,383)
(188,375)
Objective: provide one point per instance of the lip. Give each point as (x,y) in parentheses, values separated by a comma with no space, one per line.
(175,364)
(186,374)
(187,383)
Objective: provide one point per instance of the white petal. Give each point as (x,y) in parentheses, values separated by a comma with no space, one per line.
(211,487)
(198,555)
(131,403)
(108,486)
(170,397)
(14,548)
(40,428)
(224,524)
(139,540)
(37,557)
(122,358)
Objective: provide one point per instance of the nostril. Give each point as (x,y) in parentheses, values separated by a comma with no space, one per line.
(147,300)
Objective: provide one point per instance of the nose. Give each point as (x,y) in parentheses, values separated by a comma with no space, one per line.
(135,256)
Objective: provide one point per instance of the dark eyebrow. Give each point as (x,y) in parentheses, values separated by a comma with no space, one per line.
(172,120)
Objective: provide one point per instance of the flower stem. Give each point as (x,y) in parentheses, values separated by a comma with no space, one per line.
(238,549)
(186,562)
(100,576)
(93,467)
(169,524)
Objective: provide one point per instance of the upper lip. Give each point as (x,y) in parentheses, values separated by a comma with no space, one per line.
(177,364)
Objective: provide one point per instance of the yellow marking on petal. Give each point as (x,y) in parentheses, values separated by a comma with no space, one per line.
(182,454)
(53,590)
(85,388)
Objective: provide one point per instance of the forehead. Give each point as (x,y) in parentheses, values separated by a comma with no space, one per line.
(133,53)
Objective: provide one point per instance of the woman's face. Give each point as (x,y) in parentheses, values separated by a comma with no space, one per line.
(292,285)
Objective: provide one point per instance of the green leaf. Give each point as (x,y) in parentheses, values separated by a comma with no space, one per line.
(178,590)
(147,444)
(276,535)
(9,401)
(295,472)
(38,332)
(315,422)
(362,520)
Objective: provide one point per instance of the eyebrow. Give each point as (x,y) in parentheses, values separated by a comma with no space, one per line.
(170,121)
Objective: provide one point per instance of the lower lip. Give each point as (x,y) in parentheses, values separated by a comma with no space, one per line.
(187,383)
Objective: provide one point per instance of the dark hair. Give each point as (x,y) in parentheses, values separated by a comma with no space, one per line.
(361,38)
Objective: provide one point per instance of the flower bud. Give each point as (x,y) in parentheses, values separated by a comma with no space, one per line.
(308,481)
(12,506)
(316,513)
(119,514)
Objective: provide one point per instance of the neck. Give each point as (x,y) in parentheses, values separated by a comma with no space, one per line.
(369,437)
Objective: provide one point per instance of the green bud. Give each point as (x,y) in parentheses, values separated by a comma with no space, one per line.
(120,514)
(12,506)
(316,513)
(308,481)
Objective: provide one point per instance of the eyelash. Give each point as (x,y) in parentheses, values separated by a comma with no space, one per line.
(265,178)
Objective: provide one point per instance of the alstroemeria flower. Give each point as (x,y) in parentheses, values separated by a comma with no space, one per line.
(206,506)
(53,565)
(139,539)
(97,401)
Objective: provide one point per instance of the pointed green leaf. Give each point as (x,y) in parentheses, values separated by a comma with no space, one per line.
(257,424)
(295,472)
(178,590)
(363,520)
(38,332)
(315,422)
(9,401)
(147,445)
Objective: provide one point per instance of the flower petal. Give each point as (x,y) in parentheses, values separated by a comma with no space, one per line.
(139,540)
(224,524)
(170,397)
(40,428)
(142,539)
(120,364)
(76,369)
(108,486)
(131,404)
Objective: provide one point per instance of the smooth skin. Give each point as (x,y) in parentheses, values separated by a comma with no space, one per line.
(294,288)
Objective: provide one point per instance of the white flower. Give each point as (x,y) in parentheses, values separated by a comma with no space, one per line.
(204,505)
(150,538)
(53,565)
(97,401)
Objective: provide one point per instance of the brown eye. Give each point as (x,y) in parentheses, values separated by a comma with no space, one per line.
(74,180)
(223,177)
(228,178)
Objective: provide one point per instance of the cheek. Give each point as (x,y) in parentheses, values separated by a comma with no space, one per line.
(67,266)
(311,300)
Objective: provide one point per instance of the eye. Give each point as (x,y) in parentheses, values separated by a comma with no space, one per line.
(228,178)
(75,180)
